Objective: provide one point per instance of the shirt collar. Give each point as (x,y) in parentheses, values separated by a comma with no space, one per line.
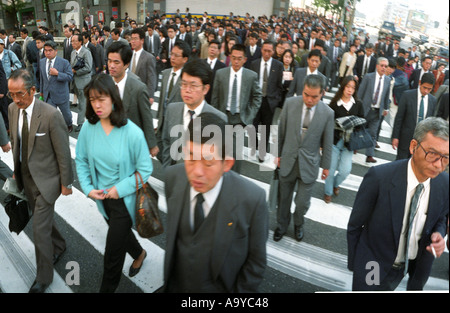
(412,179)
(198,110)
(210,196)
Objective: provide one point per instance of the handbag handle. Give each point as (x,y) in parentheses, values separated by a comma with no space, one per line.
(136,174)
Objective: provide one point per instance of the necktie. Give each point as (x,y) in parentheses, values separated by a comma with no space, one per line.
(264,86)
(172,79)
(199,214)
(49,67)
(366,61)
(335,55)
(192,114)
(25,136)
(233,104)
(421,111)
(133,66)
(377,92)
(412,212)
(306,122)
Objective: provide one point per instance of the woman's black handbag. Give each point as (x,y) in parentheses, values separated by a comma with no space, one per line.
(360,139)
(148,221)
(80,63)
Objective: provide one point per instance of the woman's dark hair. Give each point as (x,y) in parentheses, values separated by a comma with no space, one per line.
(292,65)
(104,85)
(344,83)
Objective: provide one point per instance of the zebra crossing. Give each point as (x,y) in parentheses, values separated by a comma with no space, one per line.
(319,260)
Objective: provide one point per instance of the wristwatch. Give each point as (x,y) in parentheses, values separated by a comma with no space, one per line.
(69,186)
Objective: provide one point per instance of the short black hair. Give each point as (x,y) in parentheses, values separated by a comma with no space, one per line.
(315,52)
(198,68)
(104,85)
(428,78)
(123,49)
(183,46)
(139,31)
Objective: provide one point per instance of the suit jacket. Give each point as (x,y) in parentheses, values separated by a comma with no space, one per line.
(443,107)
(174,116)
(175,96)
(156,45)
(250,58)
(250,93)
(49,158)
(274,83)
(137,105)
(67,50)
(96,63)
(358,68)
(146,71)
(367,89)
(187,38)
(406,117)
(414,79)
(375,224)
(56,87)
(307,152)
(330,54)
(219,65)
(17,49)
(83,76)
(297,83)
(238,256)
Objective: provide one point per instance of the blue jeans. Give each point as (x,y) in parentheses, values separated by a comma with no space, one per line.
(341,161)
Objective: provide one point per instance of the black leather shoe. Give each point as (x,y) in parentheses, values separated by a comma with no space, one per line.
(277,235)
(38,287)
(58,256)
(135,271)
(298,233)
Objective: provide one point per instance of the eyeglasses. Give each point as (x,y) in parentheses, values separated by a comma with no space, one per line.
(189,86)
(19,95)
(431,156)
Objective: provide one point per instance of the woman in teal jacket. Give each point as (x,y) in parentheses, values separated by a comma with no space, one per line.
(110,149)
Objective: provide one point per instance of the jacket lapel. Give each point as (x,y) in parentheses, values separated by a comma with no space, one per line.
(397,197)
(225,225)
(35,122)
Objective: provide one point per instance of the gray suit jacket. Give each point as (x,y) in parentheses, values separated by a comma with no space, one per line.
(83,76)
(49,158)
(238,256)
(406,117)
(146,71)
(137,105)
(297,84)
(307,152)
(174,116)
(250,93)
(367,89)
(156,47)
(175,96)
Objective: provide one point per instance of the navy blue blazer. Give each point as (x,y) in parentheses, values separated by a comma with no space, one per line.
(55,87)
(375,224)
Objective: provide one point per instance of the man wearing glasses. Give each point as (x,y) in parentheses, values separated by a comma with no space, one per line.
(415,105)
(399,218)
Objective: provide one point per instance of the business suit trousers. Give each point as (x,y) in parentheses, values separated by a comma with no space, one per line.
(119,240)
(373,121)
(79,92)
(47,239)
(264,117)
(64,108)
(302,198)
(238,136)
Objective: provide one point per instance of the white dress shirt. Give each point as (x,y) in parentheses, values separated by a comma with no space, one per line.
(261,70)
(136,55)
(419,218)
(187,115)
(210,198)
(230,88)
(121,85)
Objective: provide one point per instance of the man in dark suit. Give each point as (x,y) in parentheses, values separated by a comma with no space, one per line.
(335,55)
(270,77)
(415,105)
(42,167)
(305,140)
(313,60)
(252,51)
(365,63)
(384,243)
(96,64)
(56,75)
(16,48)
(215,243)
(442,111)
(214,63)
(143,63)
(67,45)
(184,35)
(237,93)
(195,82)
(374,94)
(152,42)
(133,92)
(167,46)
(417,74)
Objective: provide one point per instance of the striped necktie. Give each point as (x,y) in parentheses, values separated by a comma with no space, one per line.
(412,213)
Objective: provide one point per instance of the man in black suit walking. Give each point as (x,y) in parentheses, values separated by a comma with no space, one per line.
(214,63)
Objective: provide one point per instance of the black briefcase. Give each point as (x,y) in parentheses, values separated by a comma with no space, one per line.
(18,212)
